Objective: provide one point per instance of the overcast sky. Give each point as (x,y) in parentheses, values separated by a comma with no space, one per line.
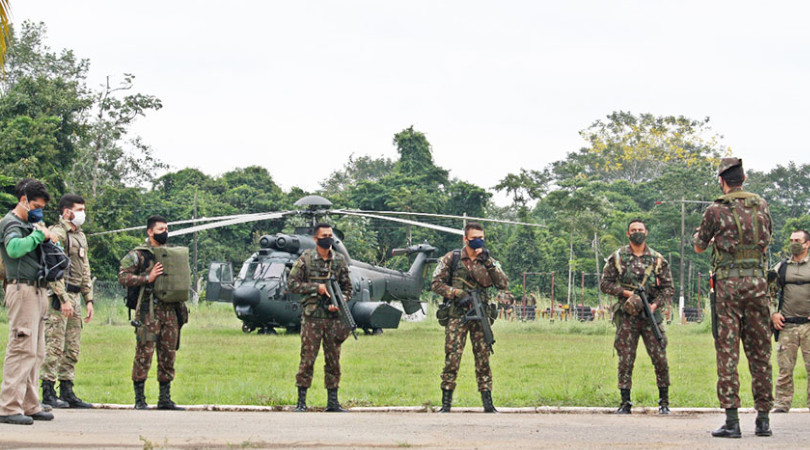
(298,86)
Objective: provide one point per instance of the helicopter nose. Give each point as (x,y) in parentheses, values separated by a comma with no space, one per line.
(246,296)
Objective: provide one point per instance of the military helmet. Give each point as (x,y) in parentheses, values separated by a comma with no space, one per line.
(728,163)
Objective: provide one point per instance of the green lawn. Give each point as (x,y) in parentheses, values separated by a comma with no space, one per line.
(541,363)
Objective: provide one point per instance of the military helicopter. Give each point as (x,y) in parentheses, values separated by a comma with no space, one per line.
(259,291)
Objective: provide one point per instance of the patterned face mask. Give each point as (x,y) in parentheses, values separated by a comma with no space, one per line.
(638,237)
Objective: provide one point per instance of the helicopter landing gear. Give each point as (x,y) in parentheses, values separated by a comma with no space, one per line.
(269,330)
(372,331)
(247,329)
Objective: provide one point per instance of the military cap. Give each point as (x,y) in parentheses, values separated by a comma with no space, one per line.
(728,163)
(633,305)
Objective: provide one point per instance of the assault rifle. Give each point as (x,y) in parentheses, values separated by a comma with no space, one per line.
(479,312)
(646,303)
(336,298)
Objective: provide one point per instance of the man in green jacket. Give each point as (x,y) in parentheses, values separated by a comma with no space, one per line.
(22,231)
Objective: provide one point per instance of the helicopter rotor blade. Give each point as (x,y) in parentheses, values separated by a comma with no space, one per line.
(177,222)
(448,216)
(234,221)
(396,219)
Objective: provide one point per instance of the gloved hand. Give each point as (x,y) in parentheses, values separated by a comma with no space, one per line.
(485,258)
(465,301)
(633,305)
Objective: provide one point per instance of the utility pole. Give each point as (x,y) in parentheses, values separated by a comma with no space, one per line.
(194,267)
(683,203)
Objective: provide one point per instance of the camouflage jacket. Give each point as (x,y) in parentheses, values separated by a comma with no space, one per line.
(725,220)
(796,300)
(624,270)
(134,270)
(309,271)
(470,274)
(74,243)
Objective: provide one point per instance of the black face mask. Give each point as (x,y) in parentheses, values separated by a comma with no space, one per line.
(325,242)
(161,238)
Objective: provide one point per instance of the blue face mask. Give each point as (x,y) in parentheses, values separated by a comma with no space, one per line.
(476,243)
(34,215)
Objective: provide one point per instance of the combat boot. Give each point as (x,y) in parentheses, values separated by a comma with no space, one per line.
(730,429)
(165,398)
(302,400)
(663,400)
(140,398)
(447,400)
(332,404)
(486,399)
(66,394)
(624,407)
(763,425)
(49,396)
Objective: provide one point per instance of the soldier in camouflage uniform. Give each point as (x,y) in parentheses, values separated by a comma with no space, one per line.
(320,321)
(790,305)
(627,268)
(738,225)
(471,268)
(63,326)
(158,321)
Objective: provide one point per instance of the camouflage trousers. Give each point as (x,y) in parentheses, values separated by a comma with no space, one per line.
(160,331)
(455,338)
(313,332)
(791,338)
(62,341)
(628,331)
(743,314)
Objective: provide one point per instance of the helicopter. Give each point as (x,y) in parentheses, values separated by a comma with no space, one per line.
(259,292)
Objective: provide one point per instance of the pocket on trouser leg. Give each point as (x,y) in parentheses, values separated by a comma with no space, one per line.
(21,339)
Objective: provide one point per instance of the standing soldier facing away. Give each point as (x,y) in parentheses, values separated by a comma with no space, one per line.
(157,320)
(458,272)
(22,231)
(320,321)
(790,302)
(626,269)
(738,224)
(63,326)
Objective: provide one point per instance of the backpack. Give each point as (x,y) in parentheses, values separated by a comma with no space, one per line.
(54,262)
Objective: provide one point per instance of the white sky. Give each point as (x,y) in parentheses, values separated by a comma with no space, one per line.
(495,86)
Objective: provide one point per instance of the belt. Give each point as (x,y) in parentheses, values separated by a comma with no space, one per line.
(797,320)
(738,272)
(72,288)
(28,282)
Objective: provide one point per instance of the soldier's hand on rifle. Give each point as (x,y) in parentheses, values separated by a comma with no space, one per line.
(464,302)
(157,270)
(67,309)
(333,308)
(653,307)
(323,291)
(778,321)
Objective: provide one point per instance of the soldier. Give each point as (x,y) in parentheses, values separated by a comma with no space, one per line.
(738,224)
(63,326)
(504,299)
(157,322)
(460,271)
(320,321)
(531,307)
(626,269)
(22,231)
(790,284)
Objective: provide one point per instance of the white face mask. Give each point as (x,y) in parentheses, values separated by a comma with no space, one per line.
(78,218)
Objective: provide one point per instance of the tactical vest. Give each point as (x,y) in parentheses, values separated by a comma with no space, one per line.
(458,278)
(653,262)
(174,285)
(748,259)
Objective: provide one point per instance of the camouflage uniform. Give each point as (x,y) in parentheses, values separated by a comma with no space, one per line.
(470,274)
(740,225)
(624,271)
(63,334)
(317,323)
(795,304)
(159,325)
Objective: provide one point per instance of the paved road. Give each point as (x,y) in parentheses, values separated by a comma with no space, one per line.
(216,429)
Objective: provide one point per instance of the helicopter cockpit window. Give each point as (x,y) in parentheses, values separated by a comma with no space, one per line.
(266,271)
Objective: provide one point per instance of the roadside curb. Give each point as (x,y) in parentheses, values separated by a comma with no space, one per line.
(435,409)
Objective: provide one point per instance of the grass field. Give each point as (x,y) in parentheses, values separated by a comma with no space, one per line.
(539,363)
